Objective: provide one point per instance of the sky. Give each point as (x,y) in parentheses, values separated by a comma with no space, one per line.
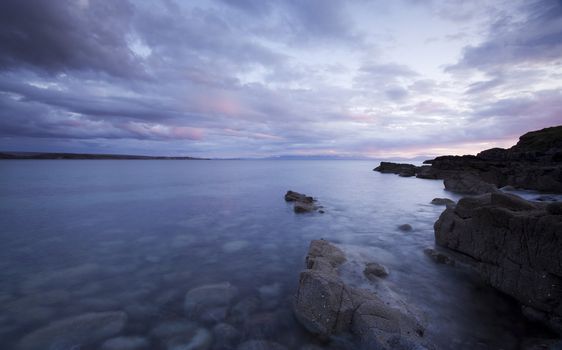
(260,78)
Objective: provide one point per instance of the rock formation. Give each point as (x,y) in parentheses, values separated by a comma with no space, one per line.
(325,305)
(534,163)
(514,244)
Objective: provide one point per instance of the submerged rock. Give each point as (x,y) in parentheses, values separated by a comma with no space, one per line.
(126,343)
(225,336)
(515,245)
(61,278)
(373,270)
(172,328)
(209,296)
(75,332)
(260,345)
(200,339)
(439,257)
(325,305)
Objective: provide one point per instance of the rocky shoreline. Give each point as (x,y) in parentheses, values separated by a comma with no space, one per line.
(534,163)
(514,244)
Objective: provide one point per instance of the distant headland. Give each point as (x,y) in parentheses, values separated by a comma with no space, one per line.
(44,155)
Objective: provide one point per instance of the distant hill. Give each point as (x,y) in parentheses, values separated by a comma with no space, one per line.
(42,155)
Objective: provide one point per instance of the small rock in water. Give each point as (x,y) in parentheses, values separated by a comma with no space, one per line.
(302,202)
(292,196)
(75,332)
(442,201)
(260,345)
(173,328)
(209,296)
(373,270)
(405,227)
(126,343)
(439,257)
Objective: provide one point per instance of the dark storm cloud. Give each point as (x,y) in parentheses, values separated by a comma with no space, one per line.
(535,39)
(59,36)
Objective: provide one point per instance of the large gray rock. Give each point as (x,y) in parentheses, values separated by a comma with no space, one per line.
(75,332)
(514,244)
(325,305)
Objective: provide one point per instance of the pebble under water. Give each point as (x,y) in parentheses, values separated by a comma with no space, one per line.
(127,254)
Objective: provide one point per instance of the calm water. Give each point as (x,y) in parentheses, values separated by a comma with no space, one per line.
(92,236)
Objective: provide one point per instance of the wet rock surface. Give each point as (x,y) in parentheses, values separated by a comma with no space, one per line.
(325,306)
(534,163)
(514,244)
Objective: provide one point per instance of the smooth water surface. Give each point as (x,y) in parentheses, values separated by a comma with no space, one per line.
(136,236)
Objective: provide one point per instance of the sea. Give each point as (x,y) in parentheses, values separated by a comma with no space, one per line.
(145,237)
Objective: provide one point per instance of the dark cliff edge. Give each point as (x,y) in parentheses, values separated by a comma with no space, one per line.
(534,163)
(36,155)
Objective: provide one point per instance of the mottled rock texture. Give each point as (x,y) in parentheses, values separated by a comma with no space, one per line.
(515,245)
(325,305)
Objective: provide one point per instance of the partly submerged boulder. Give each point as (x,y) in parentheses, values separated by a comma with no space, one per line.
(301,202)
(442,201)
(514,244)
(325,305)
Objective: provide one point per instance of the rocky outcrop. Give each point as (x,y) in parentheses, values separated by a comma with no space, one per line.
(301,202)
(514,244)
(534,163)
(325,305)
(405,170)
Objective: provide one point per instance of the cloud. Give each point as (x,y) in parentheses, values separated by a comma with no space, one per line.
(535,39)
(63,35)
